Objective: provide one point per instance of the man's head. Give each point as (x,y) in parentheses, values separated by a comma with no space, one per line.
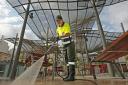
(59,20)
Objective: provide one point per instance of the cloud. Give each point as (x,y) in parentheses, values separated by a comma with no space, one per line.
(9,30)
(4,10)
(9,25)
(11,22)
(112,16)
(30,35)
(118,13)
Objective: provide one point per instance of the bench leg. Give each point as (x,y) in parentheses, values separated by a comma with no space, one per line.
(120,72)
(93,72)
(112,67)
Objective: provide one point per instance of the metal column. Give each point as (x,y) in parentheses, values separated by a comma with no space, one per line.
(123,29)
(14,66)
(122,26)
(99,25)
(12,57)
(47,38)
(101,33)
(86,49)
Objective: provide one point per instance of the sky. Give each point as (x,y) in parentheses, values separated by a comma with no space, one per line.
(11,22)
(111,17)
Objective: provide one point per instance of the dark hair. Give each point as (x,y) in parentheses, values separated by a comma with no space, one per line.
(59,17)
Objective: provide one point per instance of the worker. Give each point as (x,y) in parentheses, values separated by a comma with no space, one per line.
(64,35)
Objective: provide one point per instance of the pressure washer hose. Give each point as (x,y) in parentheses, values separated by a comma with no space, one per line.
(59,74)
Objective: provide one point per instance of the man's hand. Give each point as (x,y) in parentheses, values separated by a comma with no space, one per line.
(57,38)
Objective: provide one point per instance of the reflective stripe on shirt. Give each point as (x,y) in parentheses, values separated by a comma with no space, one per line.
(71,63)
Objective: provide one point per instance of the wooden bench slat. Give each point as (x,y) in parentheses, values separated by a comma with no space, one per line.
(120,44)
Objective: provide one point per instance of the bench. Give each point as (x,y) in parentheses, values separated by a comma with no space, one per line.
(118,48)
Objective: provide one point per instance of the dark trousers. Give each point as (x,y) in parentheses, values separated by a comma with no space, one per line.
(70,60)
(70,52)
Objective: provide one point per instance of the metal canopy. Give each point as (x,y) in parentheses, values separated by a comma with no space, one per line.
(79,13)
(93,41)
(28,45)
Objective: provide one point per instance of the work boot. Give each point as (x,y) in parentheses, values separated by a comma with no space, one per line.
(71,76)
(67,73)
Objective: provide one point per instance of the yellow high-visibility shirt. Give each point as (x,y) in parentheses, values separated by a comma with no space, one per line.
(63,30)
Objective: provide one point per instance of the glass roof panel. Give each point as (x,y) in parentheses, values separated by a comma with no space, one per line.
(79,13)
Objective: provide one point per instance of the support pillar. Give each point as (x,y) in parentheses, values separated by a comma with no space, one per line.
(15,64)
(99,25)
(122,26)
(12,57)
(86,49)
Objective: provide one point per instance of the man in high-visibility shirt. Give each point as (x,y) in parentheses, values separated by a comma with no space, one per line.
(64,34)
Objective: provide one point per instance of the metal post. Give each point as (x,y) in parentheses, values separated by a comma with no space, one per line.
(122,26)
(14,66)
(99,25)
(101,33)
(93,72)
(54,65)
(12,57)
(45,57)
(119,70)
(113,70)
(47,39)
(86,49)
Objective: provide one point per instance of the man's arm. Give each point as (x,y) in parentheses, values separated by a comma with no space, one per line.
(65,35)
